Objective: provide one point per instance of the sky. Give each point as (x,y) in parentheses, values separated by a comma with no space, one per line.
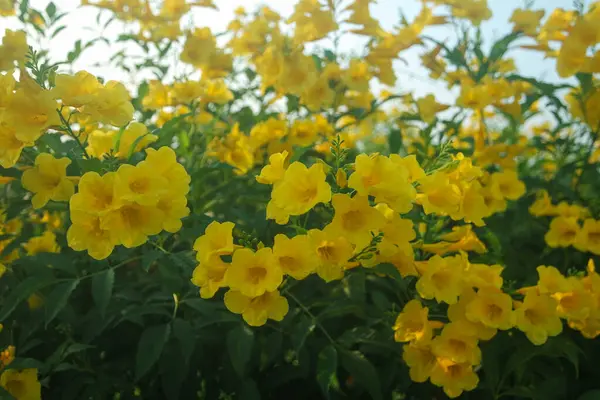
(81,24)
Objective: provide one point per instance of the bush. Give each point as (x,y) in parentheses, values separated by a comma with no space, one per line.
(262,222)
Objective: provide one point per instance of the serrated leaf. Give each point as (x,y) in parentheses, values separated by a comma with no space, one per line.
(362,371)
(240,341)
(57,299)
(102,288)
(327,370)
(150,347)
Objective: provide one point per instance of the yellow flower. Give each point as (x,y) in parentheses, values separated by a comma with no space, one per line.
(273,173)
(209,275)
(415,172)
(110,105)
(457,314)
(10,145)
(96,194)
(76,90)
(333,253)
(301,189)
(457,345)
(453,377)
(439,195)
(134,131)
(588,238)
(420,360)
(551,280)
(140,184)
(563,232)
(256,310)
(216,241)
(158,96)
(186,92)
(31,111)
(296,256)
(14,48)
(42,244)
(526,21)
(303,133)
(492,308)
(483,275)
(413,324)
(506,185)
(537,317)
(441,279)
(542,205)
(253,273)
(164,162)
(216,91)
(86,233)
(132,223)
(429,107)
(48,180)
(400,255)
(575,302)
(35,301)
(355,219)
(22,384)
(100,143)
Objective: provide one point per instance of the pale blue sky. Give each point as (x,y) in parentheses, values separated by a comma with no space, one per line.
(411,78)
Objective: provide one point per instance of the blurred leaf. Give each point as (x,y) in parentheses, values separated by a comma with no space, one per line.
(362,371)
(149,257)
(102,287)
(57,299)
(590,395)
(249,390)
(395,141)
(301,332)
(51,10)
(21,292)
(150,347)
(240,341)
(183,332)
(327,370)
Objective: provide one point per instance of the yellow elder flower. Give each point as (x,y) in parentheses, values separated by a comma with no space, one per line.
(86,233)
(31,111)
(209,275)
(96,194)
(100,143)
(164,163)
(110,105)
(481,276)
(132,223)
(457,345)
(574,303)
(400,255)
(130,135)
(588,238)
(158,96)
(457,314)
(410,163)
(48,180)
(303,133)
(412,324)
(7,8)
(253,273)
(14,48)
(216,91)
(296,256)
(273,173)
(441,279)
(429,107)
(492,308)
(526,21)
(420,360)
(301,189)
(355,219)
(563,232)
(10,145)
(437,194)
(76,90)
(551,280)
(589,327)
(453,377)
(333,253)
(542,205)
(22,384)
(216,241)
(537,317)
(506,185)
(256,310)
(42,244)
(139,184)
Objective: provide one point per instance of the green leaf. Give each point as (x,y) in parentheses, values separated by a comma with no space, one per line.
(57,299)
(240,341)
(249,390)
(102,287)
(184,333)
(51,10)
(395,141)
(149,257)
(90,165)
(327,370)
(301,331)
(150,347)
(362,371)
(24,363)
(590,395)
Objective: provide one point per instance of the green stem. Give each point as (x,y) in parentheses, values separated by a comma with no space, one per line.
(313,317)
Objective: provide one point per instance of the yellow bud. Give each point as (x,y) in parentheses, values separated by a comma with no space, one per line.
(341,179)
